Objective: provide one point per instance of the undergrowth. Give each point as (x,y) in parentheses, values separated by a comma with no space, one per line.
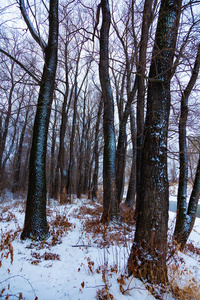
(105,235)
(182,282)
(102,236)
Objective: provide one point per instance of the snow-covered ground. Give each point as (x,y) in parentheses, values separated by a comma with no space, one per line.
(83,259)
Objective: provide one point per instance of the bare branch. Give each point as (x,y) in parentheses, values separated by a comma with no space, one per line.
(97,20)
(30,26)
(21,65)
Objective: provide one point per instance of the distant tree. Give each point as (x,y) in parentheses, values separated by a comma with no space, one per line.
(35,225)
(186,215)
(12,100)
(147,259)
(53,151)
(131,193)
(17,184)
(193,149)
(96,152)
(4,126)
(65,109)
(80,186)
(71,159)
(124,107)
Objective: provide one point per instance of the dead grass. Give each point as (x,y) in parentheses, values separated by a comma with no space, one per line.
(190,249)
(58,227)
(127,215)
(105,234)
(189,292)
(182,281)
(89,213)
(6,248)
(37,257)
(104,294)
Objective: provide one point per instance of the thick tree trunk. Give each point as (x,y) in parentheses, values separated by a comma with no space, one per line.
(148,254)
(35,220)
(185,217)
(110,205)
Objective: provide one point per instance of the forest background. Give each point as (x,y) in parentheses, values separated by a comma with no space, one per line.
(122,67)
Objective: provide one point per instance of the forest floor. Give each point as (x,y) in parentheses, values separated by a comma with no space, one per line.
(84,259)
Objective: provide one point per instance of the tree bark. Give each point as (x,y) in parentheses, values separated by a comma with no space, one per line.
(110,205)
(35,225)
(148,254)
(141,69)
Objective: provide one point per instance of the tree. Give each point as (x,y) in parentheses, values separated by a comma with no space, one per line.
(35,225)
(17,184)
(147,259)
(53,156)
(71,160)
(12,87)
(186,216)
(130,197)
(124,110)
(141,70)
(5,125)
(96,152)
(110,205)
(65,109)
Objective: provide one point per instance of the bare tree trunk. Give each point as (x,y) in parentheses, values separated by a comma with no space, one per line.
(185,217)
(17,185)
(9,150)
(81,151)
(61,163)
(61,156)
(110,205)
(71,159)
(96,153)
(53,163)
(4,133)
(141,68)
(35,225)
(123,118)
(148,254)
(130,197)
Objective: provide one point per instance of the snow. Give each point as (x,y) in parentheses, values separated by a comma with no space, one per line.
(77,262)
